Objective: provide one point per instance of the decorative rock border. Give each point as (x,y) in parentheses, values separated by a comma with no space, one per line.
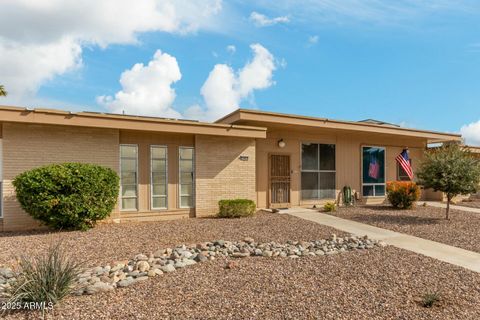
(142,267)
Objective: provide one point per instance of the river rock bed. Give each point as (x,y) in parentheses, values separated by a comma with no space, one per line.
(143,266)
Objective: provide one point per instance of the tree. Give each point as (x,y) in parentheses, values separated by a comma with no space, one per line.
(450,169)
(3,92)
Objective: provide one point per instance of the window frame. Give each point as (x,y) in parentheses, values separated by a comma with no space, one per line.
(136,179)
(180,177)
(152,208)
(319,171)
(384,184)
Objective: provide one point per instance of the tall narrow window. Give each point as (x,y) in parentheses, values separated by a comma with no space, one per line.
(186,176)
(373,171)
(158,178)
(318,171)
(128,177)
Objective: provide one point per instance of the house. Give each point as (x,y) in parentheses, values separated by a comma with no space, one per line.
(177,168)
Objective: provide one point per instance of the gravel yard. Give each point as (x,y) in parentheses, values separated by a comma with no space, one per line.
(471,204)
(383,283)
(424,222)
(380,283)
(110,242)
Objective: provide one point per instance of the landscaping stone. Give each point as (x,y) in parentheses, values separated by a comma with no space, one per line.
(168,268)
(142,266)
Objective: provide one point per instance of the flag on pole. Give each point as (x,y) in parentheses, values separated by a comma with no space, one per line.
(404,162)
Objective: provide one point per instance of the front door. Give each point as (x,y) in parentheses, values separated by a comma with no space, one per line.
(279,181)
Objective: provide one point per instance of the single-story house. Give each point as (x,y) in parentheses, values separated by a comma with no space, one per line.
(173,168)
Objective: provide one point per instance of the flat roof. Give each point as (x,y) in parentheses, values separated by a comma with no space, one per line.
(253,117)
(126,122)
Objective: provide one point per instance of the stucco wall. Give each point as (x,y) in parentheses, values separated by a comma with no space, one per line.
(220,173)
(348,158)
(28,146)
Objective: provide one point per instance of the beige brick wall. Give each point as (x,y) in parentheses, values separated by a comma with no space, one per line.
(28,146)
(220,174)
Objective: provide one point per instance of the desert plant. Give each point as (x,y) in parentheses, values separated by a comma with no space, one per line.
(402,194)
(3,92)
(68,195)
(430,299)
(45,278)
(329,207)
(236,208)
(450,169)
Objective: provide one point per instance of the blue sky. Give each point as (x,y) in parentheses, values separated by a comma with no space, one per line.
(415,63)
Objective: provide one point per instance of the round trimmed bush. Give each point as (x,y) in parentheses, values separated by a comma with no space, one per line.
(68,195)
(236,208)
(403,194)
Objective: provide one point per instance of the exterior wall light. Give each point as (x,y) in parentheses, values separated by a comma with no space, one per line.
(281,143)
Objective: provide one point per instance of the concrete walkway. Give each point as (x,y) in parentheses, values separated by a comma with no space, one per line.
(459,257)
(452,206)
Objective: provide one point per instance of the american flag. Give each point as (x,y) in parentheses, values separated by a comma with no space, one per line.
(373,169)
(404,162)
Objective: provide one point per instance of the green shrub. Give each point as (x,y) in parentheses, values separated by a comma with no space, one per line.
(46,278)
(68,195)
(430,299)
(329,207)
(403,194)
(236,208)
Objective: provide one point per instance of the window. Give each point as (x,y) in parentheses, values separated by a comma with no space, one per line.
(373,171)
(158,177)
(401,173)
(128,176)
(186,176)
(318,171)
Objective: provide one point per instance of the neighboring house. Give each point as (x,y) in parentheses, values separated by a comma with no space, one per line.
(177,168)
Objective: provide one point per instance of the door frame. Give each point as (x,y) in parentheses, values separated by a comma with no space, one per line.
(269,182)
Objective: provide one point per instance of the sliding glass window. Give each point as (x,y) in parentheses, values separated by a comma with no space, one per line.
(373,171)
(158,177)
(128,177)
(186,176)
(318,171)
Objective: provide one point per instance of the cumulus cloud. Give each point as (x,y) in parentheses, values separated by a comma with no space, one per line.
(261,20)
(147,89)
(44,38)
(225,88)
(471,133)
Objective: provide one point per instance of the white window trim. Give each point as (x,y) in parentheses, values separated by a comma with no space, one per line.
(151,177)
(319,171)
(385,172)
(193,179)
(136,180)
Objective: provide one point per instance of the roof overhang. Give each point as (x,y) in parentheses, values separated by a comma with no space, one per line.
(267,119)
(112,121)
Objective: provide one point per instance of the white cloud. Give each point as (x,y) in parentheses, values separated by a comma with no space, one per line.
(261,20)
(146,89)
(231,49)
(44,38)
(370,11)
(313,40)
(225,88)
(471,133)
